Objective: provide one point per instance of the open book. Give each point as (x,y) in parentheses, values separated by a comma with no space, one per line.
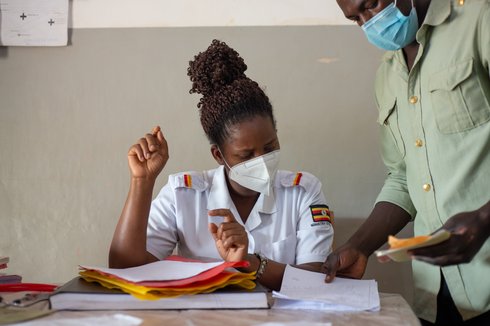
(81,295)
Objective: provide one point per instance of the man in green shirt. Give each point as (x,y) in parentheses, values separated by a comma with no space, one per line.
(433,95)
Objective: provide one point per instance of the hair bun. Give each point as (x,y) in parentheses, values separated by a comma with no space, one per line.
(214,68)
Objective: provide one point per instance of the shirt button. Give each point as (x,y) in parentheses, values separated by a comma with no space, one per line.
(413,99)
(426,187)
(419,143)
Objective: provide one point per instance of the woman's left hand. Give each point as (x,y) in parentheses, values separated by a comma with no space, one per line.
(230,236)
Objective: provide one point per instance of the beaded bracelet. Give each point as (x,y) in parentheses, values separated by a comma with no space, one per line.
(263,263)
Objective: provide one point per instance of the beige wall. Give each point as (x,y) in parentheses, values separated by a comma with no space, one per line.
(185,13)
(69,114)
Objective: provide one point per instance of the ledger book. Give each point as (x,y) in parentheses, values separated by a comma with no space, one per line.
(79,294)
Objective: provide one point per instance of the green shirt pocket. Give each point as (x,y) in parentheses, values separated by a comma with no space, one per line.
(457,98)
(390,128)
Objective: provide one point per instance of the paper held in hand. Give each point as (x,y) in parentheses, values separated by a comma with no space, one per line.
(400,253)
(307,290)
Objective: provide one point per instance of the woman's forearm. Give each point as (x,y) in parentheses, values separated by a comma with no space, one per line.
(128,247)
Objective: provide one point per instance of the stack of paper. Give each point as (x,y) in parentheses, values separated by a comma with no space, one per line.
(172,277)
(174,283)
(307,290)
(79,294)
(5,278)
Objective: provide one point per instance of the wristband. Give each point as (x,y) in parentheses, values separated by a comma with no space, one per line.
(263,263)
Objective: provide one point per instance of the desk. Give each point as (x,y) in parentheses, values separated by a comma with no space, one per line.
(394,311)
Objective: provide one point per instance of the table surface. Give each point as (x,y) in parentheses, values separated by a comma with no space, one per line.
(394,311)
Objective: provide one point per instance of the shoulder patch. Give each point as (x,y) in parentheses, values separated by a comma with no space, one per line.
(297,178)
(320,213)
(191,180)
(291,179)
(187,180)
(294,179)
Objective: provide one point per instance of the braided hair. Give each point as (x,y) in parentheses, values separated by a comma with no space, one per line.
(228,95)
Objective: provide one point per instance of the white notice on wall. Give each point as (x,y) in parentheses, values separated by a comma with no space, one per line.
(34,22)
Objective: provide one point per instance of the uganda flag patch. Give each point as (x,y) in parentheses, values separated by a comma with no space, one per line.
(320,213)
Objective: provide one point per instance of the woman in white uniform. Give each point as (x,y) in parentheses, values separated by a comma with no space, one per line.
(243,210)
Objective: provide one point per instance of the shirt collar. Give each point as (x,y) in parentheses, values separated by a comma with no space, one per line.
(267,204)
(219,196)
(438,12)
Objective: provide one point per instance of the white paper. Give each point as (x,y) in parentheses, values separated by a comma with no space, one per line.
(114,320)
(34,22)
(165,270)
(307,290)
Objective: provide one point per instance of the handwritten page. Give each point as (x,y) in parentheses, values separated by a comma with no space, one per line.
(34,22)
(164,270)
(307,290)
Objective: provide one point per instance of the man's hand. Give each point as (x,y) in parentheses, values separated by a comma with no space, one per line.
(350,259)
(345,261)
(469,231)
(230,236)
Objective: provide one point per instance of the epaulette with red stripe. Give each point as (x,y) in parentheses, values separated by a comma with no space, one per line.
(191,180)
(297,178)
(293,179)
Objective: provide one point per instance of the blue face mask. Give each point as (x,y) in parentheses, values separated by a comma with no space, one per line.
(390,29)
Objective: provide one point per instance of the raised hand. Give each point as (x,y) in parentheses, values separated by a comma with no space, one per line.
(149,155)
(230,236)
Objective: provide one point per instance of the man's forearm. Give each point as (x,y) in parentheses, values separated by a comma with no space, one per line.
(385,219)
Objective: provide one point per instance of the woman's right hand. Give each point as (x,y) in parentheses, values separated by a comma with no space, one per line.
(230,236)
(148,156)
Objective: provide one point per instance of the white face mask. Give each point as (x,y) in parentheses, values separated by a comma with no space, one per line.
(256,174)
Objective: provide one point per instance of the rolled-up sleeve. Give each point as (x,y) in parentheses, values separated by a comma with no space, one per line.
(162,228)
(395,189)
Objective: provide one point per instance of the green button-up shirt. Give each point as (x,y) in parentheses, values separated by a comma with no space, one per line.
(435,135)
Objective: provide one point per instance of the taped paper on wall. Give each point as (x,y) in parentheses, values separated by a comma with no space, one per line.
(33,22)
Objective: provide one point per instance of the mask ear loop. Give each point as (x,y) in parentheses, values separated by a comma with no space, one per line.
(223,157)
